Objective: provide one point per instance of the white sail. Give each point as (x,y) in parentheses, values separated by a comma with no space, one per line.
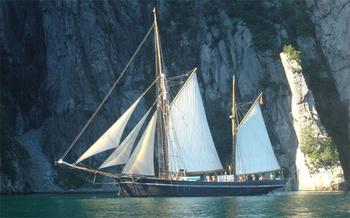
(254,152)
(141,161)
(191,145)
(111,138)
(122,152)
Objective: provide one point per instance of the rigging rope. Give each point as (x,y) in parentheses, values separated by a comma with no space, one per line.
(108,94)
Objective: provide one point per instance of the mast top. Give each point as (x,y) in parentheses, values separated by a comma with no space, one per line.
(154,15)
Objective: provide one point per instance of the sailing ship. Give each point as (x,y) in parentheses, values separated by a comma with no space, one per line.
(175,155)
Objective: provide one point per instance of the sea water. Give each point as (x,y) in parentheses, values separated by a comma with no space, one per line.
(279,204)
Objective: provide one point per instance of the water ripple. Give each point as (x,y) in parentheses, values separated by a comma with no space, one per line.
(282,204)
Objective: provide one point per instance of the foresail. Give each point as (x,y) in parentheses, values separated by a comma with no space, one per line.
(254,151)
(111,138)
(141,161)
(122,152)
(191,145)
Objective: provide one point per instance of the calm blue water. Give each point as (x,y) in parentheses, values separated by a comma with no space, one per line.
(285,204)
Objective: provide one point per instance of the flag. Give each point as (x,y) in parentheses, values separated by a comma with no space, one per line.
(261,100)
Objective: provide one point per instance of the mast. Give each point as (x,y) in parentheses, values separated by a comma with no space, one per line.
(162,104)
(251,108)
(233,120)
(253,146)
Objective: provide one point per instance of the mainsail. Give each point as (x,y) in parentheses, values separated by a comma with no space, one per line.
(122,152)
(141,161)
(111,138)
(254,151)
(191,145)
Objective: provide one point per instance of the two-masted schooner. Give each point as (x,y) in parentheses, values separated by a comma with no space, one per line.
(175,155)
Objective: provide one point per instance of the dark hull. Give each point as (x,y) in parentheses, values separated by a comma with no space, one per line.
(147,187)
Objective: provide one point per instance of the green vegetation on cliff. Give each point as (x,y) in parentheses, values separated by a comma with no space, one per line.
(322,151)
(293,53)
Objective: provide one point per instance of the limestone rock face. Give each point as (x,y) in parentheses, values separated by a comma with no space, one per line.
(305,116)
(332,28)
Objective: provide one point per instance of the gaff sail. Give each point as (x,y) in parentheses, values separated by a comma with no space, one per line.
(254,151)
(191,145)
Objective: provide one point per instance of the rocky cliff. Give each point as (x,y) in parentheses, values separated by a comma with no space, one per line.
(58,60)
(316,160)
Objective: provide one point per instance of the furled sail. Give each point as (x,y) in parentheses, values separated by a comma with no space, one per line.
(191,145)
(110,139)
(122,152)
(254,151)
(141,161)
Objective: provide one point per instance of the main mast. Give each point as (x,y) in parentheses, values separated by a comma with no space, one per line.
(162,104)
(233,113)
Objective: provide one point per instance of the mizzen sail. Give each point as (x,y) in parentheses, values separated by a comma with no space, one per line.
(111,138)
(141,161)
(254,151)
(191,145)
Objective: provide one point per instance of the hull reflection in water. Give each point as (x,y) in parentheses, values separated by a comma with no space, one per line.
(146,187)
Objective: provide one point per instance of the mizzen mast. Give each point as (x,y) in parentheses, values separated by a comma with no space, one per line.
(162,104)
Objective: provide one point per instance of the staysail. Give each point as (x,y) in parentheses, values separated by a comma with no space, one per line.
(111,138)
(122,152)
(141,161)
(191,145)
(254,151)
